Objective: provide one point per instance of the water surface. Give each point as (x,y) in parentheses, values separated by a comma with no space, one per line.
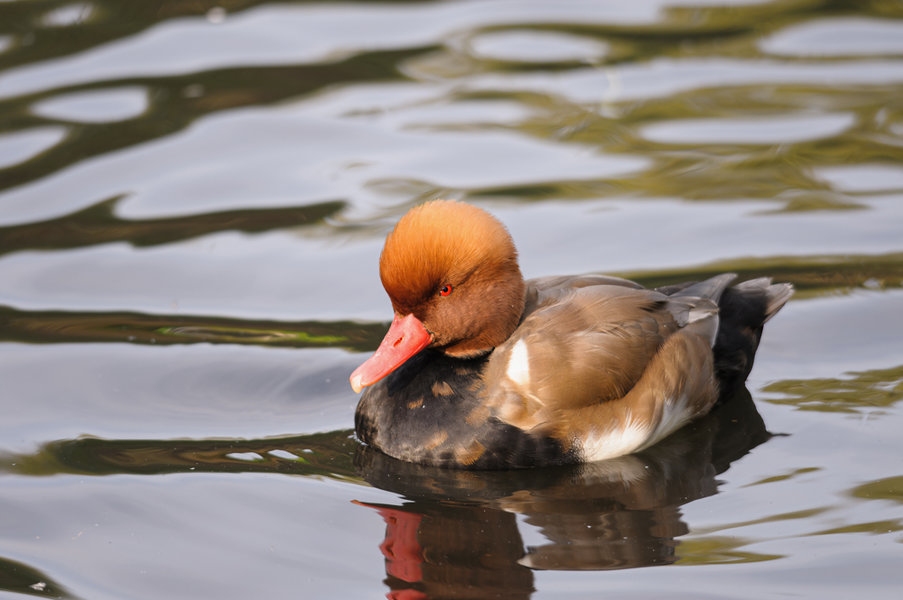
(193,196)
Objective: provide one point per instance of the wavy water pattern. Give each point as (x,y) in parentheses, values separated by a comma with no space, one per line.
(193,198)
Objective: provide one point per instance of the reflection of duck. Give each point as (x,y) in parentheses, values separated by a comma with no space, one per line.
(456,532)
(481,369)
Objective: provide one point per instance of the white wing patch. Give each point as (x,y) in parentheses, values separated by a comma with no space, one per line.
(634,435)
(518,370)
(675,414)
(615,442)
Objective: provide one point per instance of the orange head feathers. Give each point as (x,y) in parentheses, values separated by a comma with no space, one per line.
(454,267)
(451,272)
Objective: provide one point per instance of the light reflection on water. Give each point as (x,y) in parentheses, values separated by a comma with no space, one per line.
(193,198)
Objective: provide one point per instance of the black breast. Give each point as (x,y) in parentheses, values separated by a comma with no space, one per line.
(432,411)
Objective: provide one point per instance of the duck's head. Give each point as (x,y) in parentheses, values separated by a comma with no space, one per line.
(450,270)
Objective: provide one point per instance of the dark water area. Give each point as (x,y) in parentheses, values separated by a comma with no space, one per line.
(193,196)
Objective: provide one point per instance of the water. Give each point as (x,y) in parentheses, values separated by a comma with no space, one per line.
(192,201)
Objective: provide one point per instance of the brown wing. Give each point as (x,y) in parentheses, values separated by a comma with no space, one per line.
(544,291)
(580,345)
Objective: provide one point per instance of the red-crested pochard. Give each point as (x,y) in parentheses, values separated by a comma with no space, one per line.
(481,369)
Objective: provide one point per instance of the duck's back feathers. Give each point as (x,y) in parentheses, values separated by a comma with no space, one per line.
(586,340)
(580,346)
(608,361)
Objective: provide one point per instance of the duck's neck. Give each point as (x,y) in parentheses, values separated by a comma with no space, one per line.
(501,315)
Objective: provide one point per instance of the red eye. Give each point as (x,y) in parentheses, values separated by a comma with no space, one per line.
(445,290)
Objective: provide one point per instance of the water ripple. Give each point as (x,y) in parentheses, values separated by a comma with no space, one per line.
(194,195)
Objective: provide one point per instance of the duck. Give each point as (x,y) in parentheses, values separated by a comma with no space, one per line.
(482,369)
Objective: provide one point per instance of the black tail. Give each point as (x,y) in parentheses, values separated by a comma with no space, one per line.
(744,310)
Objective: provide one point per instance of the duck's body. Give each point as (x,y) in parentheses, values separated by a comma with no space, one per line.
(483,370)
